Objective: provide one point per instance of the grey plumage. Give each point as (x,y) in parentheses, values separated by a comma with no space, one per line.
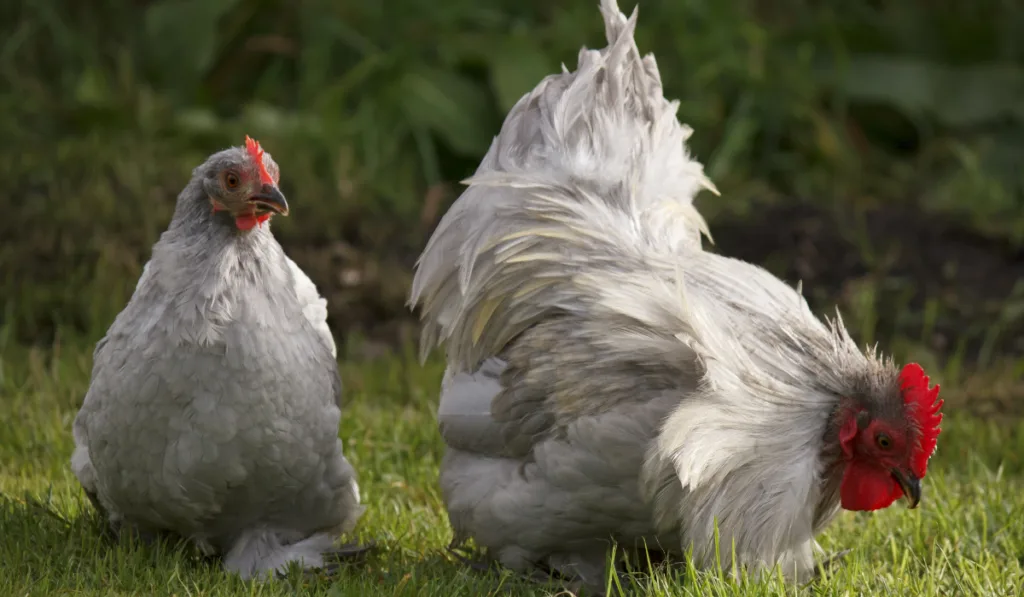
(607,378)
(215,398)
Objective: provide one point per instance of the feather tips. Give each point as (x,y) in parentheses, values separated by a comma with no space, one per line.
(585,167)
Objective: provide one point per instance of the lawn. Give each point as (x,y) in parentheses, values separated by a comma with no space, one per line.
(967,538)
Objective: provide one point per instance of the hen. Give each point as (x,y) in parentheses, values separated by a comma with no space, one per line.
(215,398)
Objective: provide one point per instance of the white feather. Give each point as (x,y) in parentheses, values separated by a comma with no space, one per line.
(575,257)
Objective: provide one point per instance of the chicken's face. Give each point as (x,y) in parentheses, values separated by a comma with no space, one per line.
(244,185)
(886,443)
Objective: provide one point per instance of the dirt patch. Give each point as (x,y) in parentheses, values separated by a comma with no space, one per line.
(366,291)
(912,263)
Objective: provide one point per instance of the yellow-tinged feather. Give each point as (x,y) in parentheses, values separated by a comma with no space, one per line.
(542,232)
(484,316)
(535,257)
(529,287)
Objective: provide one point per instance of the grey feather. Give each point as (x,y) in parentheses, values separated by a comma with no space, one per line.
(214,404)
(608,378)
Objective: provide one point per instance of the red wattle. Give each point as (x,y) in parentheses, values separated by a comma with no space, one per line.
(867,488)
(248,222)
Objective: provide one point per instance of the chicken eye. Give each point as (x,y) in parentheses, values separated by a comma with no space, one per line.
(231,180)
(884,441)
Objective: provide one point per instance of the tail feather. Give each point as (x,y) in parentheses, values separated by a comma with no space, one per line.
(590,171)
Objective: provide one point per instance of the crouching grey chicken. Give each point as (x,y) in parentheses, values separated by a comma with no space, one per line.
(214,404)
(608,380)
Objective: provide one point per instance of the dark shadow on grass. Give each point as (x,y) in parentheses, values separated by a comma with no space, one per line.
(51,540)
(634,573)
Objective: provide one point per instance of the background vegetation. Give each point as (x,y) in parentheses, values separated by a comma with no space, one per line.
(872,149)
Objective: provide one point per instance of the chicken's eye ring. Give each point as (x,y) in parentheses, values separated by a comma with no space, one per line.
(883,441)
(231,180)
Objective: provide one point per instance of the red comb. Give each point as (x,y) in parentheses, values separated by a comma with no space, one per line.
(256,153)
(924,410)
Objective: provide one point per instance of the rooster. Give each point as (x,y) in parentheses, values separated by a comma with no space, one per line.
(214,404)
(609,380)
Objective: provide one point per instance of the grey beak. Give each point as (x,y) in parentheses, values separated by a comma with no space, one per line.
(910,485)
(271,198)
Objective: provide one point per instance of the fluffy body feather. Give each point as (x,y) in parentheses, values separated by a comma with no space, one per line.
(607,378)
(215,398)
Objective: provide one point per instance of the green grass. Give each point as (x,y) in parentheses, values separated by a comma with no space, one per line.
(966,539)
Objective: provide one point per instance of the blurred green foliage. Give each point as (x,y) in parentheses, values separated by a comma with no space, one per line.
(376,110)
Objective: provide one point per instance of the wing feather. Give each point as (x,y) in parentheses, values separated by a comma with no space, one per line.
(589,176)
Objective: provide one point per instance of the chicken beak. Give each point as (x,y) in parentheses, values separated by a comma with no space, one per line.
(910,485)
(270,197)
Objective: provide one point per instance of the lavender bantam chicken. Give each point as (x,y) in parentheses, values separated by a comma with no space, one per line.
(607,379)
(214,404)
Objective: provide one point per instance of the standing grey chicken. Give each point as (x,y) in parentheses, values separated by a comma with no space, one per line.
(215,397)
(609,380)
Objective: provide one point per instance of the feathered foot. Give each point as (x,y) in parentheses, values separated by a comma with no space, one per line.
(261,551)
